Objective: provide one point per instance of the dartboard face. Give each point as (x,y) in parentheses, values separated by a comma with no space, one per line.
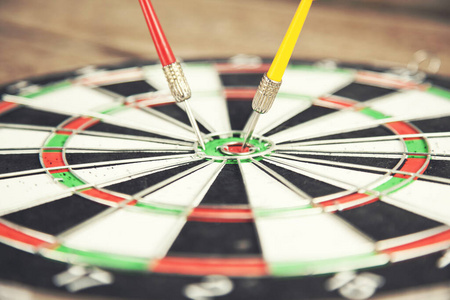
(343,193)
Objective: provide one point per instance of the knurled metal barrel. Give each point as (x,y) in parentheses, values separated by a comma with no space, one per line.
(177,82)
(265,94)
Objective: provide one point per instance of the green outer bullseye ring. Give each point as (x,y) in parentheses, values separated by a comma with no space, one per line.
(212,149)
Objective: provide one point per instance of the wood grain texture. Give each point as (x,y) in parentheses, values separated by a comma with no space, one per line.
(44,36)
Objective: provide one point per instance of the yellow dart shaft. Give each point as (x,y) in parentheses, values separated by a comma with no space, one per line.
(284,53)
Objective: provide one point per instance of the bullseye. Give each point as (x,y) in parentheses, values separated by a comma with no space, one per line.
(228,146)
(235,148)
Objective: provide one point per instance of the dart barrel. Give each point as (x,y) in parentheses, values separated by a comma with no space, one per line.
(265,94)
(178,84)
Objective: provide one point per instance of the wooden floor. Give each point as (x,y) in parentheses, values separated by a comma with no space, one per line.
(41,36)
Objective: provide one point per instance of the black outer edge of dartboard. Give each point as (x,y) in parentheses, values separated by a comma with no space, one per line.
(140,285)
(439,80)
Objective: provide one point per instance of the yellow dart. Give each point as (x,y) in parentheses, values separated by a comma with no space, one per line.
(271,81)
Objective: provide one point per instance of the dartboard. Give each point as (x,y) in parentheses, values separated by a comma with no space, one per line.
(344,191)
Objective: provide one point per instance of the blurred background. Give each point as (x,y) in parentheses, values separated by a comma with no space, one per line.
(44,36)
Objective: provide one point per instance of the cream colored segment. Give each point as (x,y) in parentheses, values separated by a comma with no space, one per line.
(154,75)
(200,77)
(314,82)
(211,109)
(22,192)
(310,237)
(411,104)
(123,172)
(21,138)
(428,199)
(80,141)
(102,77)
(265,192)
(320,177)
(187,191)
(440,145)
(352,177)
(73,100)
(127,232)
(145,120)
(392,146)
(338,122)
(282,110)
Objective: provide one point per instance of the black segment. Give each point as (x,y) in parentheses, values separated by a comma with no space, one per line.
(228,188)
(174,111)
(362,92)
(308,114)
(421,271)
(210,238)
(433,125)
(27,268)
(440,168)
(105,127)
(138,184)
(241,79)
(29,116)
(364,161)
(382,221)
(239,111)
(19,162)
(311,186)
(130,88)
(57,216)
(439,81)
(364,133)
(81,158)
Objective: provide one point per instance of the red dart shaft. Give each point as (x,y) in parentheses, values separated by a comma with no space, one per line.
(159,39)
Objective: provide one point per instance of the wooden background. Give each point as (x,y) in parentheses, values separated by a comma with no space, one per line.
(44,36)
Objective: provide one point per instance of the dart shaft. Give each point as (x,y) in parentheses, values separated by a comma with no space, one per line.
(178,84)
(162,46)
(287,46)
(175,77)
(270,83)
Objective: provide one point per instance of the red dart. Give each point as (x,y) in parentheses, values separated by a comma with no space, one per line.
(178,84)
(159,38)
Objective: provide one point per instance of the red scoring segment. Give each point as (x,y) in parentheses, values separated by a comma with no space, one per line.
(439,238)
(10,233)
(228,215)
(81,123)
(5,106)
(206,266)
(159,39)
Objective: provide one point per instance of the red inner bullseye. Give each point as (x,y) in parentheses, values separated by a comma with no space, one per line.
(237,148)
